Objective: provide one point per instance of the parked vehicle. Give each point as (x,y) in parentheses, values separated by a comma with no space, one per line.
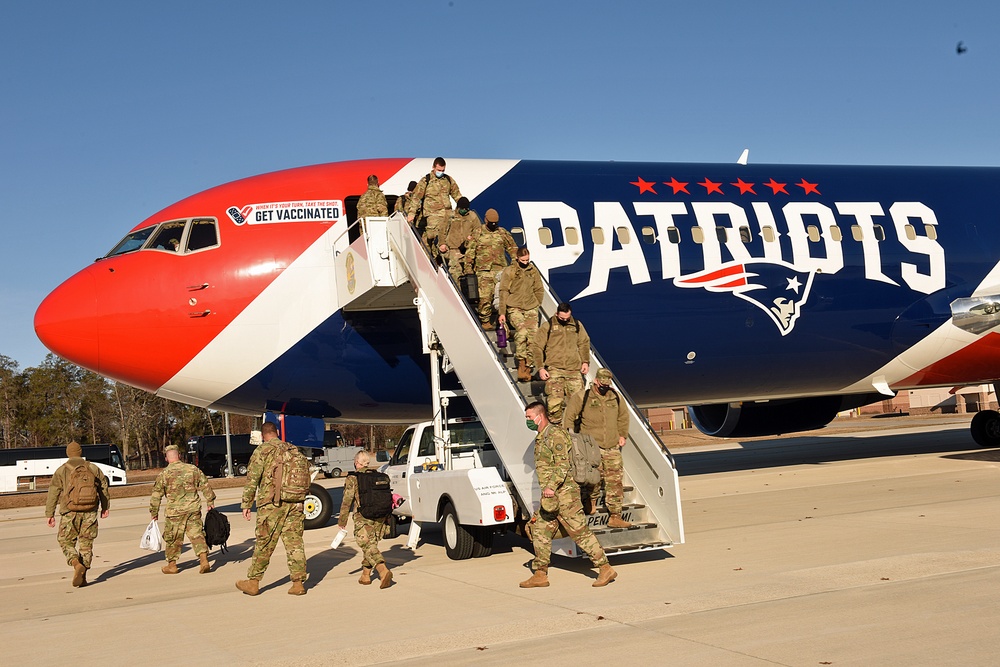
(208,452)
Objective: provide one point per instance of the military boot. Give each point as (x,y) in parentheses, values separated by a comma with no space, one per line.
(605,576)
(523,372)
(588,505)
(385,574)
(366,576)
(205,567)
(79,573)
(488,326)
(169,568)
(249,586)
(616,521)
(540,579)
(297,588)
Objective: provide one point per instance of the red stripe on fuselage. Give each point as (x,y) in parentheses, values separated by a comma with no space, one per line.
(973,364)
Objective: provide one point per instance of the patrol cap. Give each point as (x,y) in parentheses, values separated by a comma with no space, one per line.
(74,450)
(171,448)
(492,215)
(463,202)
(604,376)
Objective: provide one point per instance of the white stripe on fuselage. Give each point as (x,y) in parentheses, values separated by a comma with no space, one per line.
(297,301)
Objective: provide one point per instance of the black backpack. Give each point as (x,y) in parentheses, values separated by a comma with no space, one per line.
(216,529)
(374,494)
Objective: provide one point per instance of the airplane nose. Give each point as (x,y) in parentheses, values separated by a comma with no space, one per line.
(67,321)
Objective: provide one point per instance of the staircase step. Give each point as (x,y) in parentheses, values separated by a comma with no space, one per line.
(604,530)
(631,548)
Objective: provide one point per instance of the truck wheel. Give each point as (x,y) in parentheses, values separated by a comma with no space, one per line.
(337,472)
(241,469)
(482,541)
(318,507)
(458,540)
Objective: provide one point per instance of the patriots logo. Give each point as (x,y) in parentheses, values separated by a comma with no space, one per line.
(777,288)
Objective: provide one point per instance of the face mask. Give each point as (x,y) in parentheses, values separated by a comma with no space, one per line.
(439,174)
(530,423)
(563,322)
(492,226)
(523,265)
(602,390)
(463,211)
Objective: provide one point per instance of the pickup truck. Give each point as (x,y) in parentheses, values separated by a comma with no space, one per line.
(458,481)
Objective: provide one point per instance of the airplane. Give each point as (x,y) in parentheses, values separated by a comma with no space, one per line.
(766,297)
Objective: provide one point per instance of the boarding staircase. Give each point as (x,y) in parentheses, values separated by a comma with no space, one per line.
(382,264)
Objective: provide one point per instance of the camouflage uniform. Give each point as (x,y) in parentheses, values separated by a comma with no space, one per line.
(457,234)
(486,255)
(274,521)
(552,450)
(402,201)
(367,532)
(372,203)
(561,349)
(77,530)
(433,195)
(180,483)
(606,419)
(520,296)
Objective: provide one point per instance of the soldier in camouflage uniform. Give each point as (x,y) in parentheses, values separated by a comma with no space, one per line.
(603,415)
(560,502)
(282,521)
(403,200)
(430,205)
(367,532)
(561,349)
(181,482)
(77,529)
(455,236)
(520,296)
(372,203)
(486,255)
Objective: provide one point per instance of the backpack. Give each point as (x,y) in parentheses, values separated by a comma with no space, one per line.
(216,529)
(290,476)
(585,460)
(374,494)
(81,491)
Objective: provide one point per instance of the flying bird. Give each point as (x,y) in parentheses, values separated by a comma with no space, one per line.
(960,48)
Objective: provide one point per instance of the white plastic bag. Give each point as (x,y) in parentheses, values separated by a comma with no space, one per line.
(338,539)
(152,539)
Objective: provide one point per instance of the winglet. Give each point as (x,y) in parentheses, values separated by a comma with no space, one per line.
(744,156)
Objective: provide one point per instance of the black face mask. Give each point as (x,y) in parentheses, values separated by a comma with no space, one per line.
(563,322)
(523,265)
(602,390)
(492,226)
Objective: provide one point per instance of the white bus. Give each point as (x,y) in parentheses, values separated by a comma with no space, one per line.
(24,464)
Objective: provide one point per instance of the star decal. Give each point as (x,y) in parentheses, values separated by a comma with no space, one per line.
(678,186)
(793,284)
(644,186)
(808,187)
(744,187)
(711,186)
(776,187)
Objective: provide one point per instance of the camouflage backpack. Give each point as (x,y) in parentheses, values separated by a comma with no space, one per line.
(81,490)
(290,477)
(585,460)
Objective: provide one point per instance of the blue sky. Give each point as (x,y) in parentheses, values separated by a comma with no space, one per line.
(113,110)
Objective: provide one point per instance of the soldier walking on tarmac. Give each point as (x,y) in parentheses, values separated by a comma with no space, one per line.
(560,502)
(602,414)
(367,532)
(181,482)
(561,350)
(79,488)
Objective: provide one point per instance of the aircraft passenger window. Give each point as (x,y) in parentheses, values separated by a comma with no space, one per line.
(879,233)
(931,232)
(648,235)
(572,236)
(168,236)
(745,234)
(203,235)
(835,234)
(720,233)
(623,236)
(698,235)
(910,232)
(132,242)
(545,236)
(857,233)
(518,234)
(812,231)
(674,235)
(597,235)
(767,232)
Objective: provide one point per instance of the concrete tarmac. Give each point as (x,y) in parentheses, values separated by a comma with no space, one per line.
(848,549)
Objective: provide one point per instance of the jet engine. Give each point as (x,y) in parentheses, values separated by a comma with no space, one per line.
(748,419)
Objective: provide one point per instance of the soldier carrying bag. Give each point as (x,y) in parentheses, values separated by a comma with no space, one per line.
(81,491)
(290,477)
(374,494)
(216,529)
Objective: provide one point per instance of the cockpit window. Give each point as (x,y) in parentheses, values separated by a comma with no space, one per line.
(168,236)
(132,242)
(203,235)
